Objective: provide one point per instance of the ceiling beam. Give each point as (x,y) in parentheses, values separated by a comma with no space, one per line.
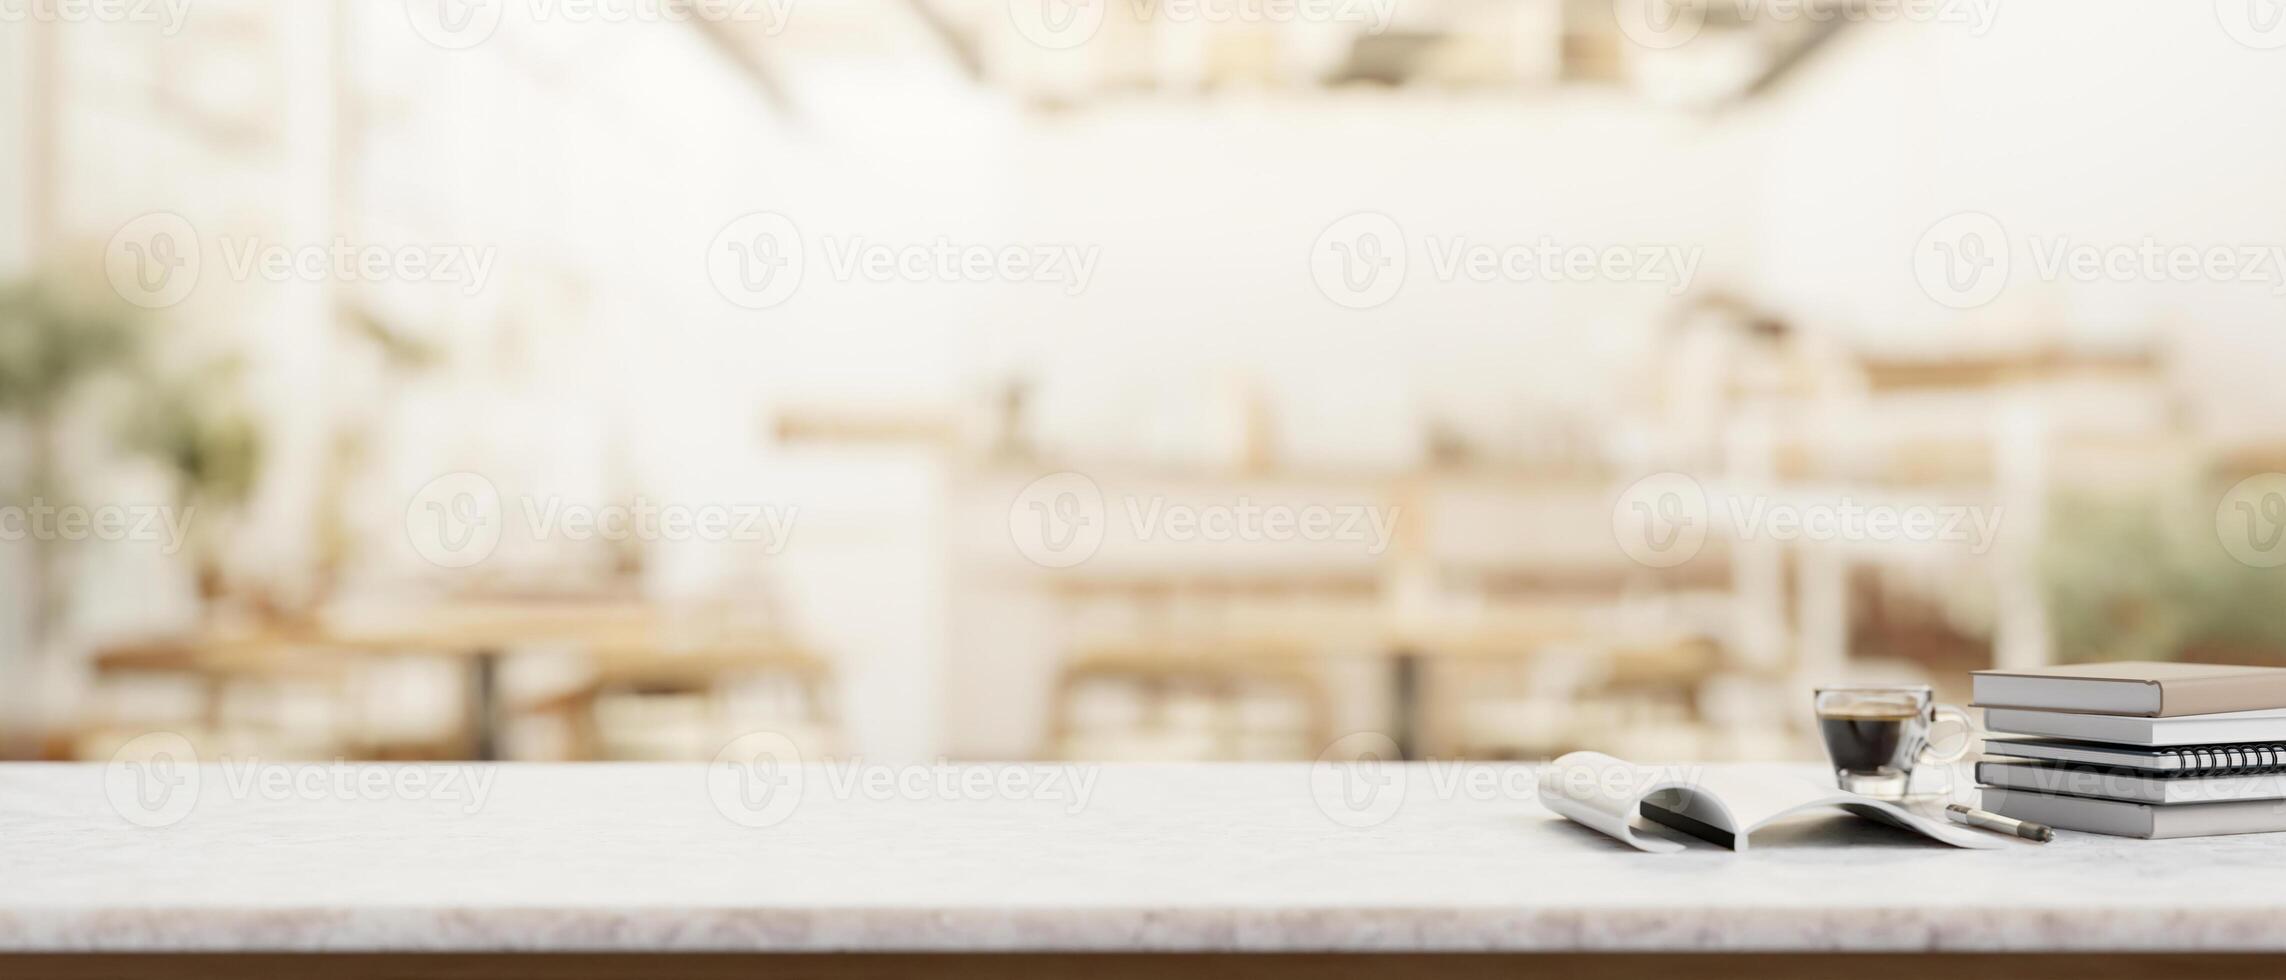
(740,52)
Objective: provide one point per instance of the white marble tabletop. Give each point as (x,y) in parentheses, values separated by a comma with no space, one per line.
(248,857)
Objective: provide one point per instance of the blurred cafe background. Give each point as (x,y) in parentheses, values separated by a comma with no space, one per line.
(1120,379)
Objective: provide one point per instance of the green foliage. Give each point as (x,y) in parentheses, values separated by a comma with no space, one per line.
(51,342)
(55,338)
(196,428)
(2145,578)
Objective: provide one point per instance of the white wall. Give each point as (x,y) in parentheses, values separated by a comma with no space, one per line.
(2105,121)
(15,136)
(15,147)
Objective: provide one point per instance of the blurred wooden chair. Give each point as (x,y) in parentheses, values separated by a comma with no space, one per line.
(257,694)
(1205,702)
(644,702)
(1616,698)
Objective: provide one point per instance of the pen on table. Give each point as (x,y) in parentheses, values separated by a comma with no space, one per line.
(1988,820)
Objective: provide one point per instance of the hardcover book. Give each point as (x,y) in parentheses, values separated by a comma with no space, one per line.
(2134,687)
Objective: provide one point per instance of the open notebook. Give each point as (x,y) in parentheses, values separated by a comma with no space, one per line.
(1723,806)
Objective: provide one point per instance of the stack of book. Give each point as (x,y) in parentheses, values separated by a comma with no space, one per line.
(2137,749)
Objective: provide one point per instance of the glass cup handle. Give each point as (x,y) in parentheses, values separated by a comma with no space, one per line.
(1937,714)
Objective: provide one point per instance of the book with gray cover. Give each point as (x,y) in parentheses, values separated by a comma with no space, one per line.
(2180,730)
(2121,818)
(2148,689)
(1718,805)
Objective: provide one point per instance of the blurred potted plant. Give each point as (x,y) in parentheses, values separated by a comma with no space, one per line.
(57,340)
(52,344)
(195,427)
(2144,578)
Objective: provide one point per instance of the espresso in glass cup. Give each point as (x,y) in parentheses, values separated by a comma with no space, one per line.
(1878,735)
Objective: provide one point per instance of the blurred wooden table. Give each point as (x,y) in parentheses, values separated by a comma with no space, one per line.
(618,635)
(1405,641)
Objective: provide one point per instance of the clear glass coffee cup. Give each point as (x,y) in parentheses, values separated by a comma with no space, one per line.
(1878,735)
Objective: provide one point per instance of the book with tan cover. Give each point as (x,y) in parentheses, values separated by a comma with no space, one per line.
(2141,688)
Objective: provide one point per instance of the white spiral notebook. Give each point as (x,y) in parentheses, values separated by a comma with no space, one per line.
(2130,784)
(2193,759)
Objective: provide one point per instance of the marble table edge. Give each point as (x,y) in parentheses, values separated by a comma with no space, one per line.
(1112,929)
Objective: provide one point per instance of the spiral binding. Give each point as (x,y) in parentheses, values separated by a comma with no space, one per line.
(2218,760)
